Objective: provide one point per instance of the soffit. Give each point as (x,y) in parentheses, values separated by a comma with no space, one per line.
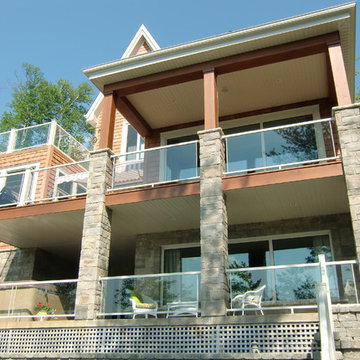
(266,86)
(170,214)
(286,201)
(58,233)
(340,18)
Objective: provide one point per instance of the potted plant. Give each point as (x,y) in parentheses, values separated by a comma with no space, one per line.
(43,310)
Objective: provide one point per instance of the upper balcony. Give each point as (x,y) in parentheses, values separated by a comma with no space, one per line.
(46,134)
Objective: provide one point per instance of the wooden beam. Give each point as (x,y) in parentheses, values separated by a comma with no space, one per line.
(211,115)
(339,74)
(133,116)
(248,60)
(107,122)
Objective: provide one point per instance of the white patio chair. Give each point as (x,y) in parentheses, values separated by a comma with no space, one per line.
(139,307)
(249,298)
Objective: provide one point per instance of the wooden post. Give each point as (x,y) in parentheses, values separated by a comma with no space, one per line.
(108,122)
(211,116)
(339,74)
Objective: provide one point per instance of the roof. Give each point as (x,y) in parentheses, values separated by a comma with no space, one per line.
(141,37)
(338,18)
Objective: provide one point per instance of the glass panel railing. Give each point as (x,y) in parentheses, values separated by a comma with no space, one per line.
(32,184)
(32,136)
(279,147)
(164,164)
(4,140)
(295,284)
(38,300)
(61,181)
(176,293)
(342,282)
(69,145)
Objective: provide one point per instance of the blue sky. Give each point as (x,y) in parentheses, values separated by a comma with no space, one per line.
(64,36)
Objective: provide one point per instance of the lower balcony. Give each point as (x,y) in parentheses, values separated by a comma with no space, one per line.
(144,315)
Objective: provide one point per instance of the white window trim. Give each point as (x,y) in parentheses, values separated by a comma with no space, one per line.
(124,135)
(25,188)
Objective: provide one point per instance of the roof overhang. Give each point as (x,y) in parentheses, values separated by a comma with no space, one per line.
(339,19)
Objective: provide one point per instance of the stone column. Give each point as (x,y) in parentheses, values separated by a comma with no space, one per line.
(95,244)
(348,125)
(213,225)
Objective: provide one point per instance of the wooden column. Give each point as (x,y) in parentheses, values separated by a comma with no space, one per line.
(339,74)
(108,122)
(211,116)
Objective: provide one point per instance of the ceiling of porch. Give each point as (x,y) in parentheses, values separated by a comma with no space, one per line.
(262,87)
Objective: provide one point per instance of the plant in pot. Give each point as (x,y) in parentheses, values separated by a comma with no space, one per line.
(43,310)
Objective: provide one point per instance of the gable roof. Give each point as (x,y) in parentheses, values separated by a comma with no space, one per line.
(142,38)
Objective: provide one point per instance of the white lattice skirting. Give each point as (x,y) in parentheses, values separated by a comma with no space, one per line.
(211,339)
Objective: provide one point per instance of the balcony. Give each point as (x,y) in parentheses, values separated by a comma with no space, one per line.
(280,147)
(177,298)
(41,135)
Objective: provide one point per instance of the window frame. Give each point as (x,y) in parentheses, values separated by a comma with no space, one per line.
(28,186)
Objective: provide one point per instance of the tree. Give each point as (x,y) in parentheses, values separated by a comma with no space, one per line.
(36,101)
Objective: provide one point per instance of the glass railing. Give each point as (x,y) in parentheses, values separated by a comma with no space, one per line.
(69,145)
(280,147)
(295,284)
(38,300)
(32,136)
(170,294)
(157,165)
(44,134)
(51,183)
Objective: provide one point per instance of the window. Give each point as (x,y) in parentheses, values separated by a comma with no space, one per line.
(17,184)
(68,184)
(131,142)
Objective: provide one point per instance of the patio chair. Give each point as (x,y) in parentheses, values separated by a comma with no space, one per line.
(139,307)
(249,298)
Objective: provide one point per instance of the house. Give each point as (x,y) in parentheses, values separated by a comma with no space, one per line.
(219,166)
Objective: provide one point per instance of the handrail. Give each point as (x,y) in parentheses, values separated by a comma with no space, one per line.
(150,275)
(155,148)
(23,283)
(275,267)
(278,128)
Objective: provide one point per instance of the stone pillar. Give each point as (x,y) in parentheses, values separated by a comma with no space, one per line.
(213,225)
(348,125)
(95,245)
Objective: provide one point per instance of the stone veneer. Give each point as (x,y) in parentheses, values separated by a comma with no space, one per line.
(348,126)
(95,245)
(347,331)
(213,225)
(149,246)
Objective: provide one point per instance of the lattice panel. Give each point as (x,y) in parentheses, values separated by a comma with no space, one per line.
(271,338)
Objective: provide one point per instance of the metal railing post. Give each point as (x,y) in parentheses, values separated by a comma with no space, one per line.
(328,351)
(52,132)
(11,141)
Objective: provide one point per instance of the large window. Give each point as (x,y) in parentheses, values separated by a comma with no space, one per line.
(283,284)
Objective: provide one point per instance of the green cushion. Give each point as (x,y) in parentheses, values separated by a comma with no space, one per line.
(136,297)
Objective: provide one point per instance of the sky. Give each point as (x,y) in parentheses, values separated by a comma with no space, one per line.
(62,37)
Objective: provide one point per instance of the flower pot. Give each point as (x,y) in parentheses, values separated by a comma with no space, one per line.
(41,315)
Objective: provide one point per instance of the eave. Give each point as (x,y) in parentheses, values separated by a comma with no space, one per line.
(339,18)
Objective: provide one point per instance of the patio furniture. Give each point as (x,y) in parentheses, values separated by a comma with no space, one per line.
(140,307)
(182,308)
(249,298)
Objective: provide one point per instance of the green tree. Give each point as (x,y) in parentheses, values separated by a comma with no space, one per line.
(36,101)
